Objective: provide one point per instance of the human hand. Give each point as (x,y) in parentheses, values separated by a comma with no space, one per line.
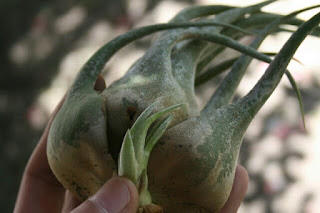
(40,191)
(238,191)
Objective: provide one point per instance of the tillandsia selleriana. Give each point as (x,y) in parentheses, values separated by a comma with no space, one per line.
(101,132)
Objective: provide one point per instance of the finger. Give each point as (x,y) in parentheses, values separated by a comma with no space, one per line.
(118,195)
(240,186)
(70,202)
(39,190)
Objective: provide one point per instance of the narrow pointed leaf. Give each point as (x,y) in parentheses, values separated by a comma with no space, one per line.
(92,68)
(253,101)
(212,53)
(141,126)
(162,112)
(156,134)
(226,90)
(137,127)
(214,71)
(199,11)
(230,26)
(144,195)
(275,53)
(139,132)
(298,94)
(128,165)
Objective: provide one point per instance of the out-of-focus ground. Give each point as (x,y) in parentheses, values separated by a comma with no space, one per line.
(44,43)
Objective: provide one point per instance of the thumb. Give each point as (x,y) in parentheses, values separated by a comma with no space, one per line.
(118,195)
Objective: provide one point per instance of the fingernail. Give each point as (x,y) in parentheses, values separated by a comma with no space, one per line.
(113,197)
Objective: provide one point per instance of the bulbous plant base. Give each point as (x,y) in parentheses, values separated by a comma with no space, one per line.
(192,167)
(150,208)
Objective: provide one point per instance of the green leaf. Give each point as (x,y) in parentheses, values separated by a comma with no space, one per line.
(92,68)
(144,195)
(298,94)
(140,127)
(228,17)
(162,112)
(208,57)
(275,53)
(199,11)
(139,131)
(155,134)
(134,155)
(226,89)
(229,26)
(128,165)
(255,99)
(214,71)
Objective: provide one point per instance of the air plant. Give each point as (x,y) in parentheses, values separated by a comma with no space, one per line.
(151,116)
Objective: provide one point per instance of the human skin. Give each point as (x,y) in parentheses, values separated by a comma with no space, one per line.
(40,191)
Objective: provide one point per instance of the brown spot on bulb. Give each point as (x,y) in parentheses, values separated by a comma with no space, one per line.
(100,84)
(131,111)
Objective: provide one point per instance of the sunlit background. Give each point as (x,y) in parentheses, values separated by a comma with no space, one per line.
(44,43)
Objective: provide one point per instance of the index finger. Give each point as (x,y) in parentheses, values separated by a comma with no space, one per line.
(40,191)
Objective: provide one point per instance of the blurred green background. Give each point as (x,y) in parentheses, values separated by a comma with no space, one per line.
(44,43)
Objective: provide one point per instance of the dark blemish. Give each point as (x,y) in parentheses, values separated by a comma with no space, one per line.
(178,146)
(82,192)
(100,84)
(105,151)
(131,111)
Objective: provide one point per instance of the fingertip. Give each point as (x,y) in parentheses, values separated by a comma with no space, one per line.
(134,195)
(239,189)
(117,195)
(70,202)
(241,179)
